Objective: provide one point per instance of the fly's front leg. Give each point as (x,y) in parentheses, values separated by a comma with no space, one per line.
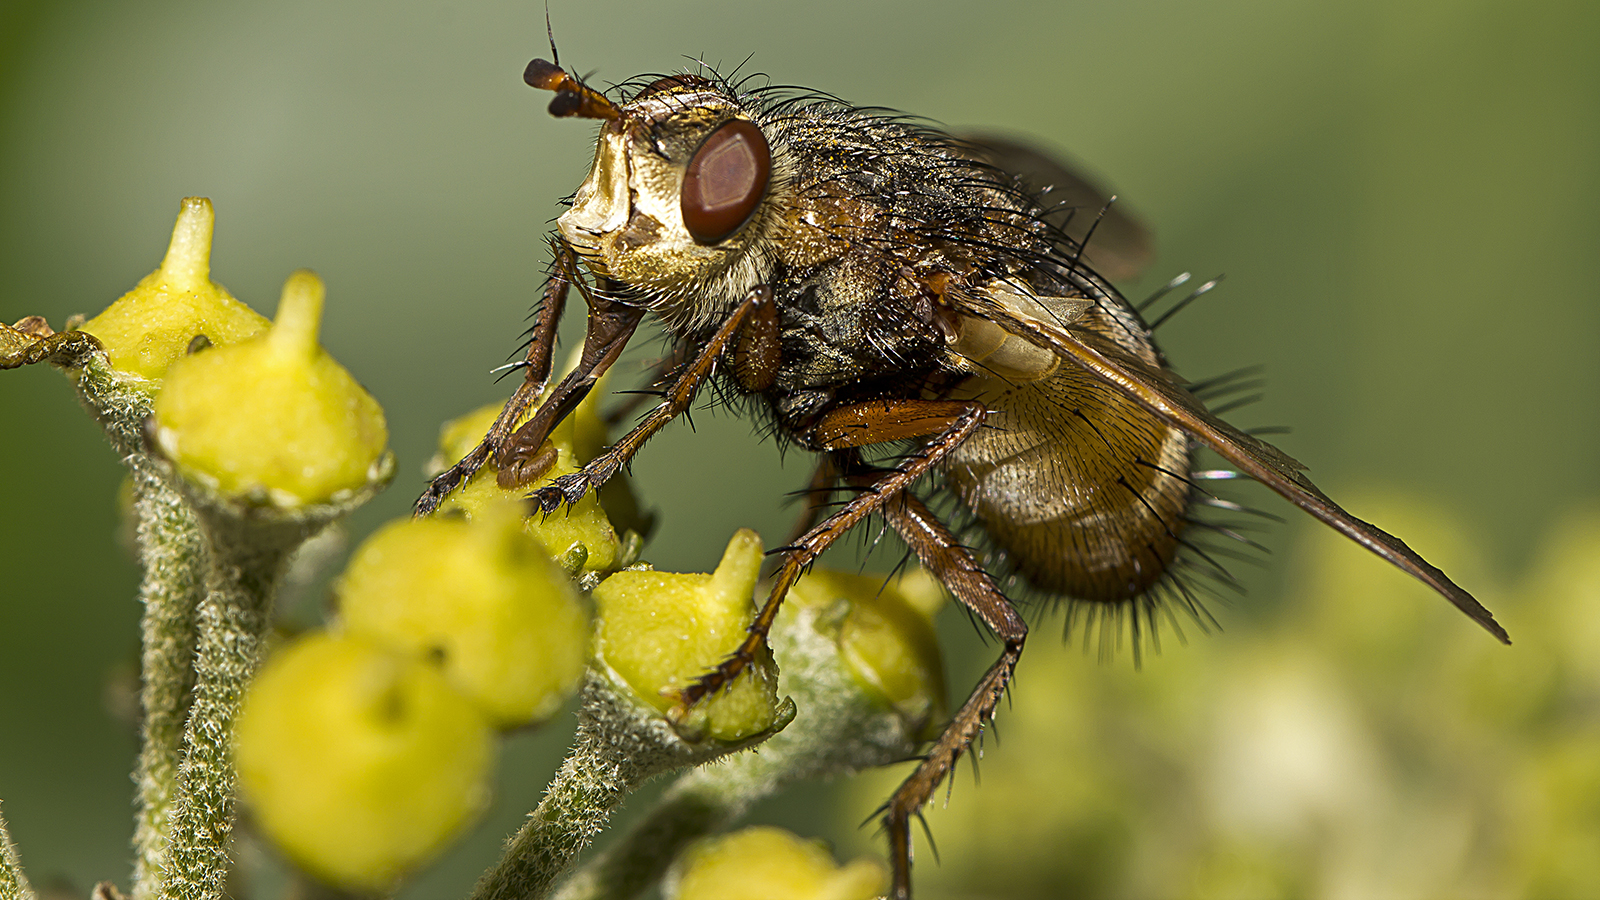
(955,568)
(571,488)
(523,457)
(536,368)
(950,421)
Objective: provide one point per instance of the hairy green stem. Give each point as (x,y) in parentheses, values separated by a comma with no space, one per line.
(232,623)
(684,814)
(13,884)
(603,767)
(173,553)
(619,746)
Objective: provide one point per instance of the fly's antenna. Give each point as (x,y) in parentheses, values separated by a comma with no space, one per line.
(573,98)
(555,55)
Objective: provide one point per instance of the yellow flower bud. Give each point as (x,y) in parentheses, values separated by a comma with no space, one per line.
(155,323)
(482,598)
(886,637)
(766,863)
(275,418)
(583,524)
(360,763)
(658,631)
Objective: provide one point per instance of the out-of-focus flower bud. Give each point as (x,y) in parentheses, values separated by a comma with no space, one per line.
(360,763)
(886,637)
(273,419)
(658,631)
(158,321)
(771,864)
(480,597)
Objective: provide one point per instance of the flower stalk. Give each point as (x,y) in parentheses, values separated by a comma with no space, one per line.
(233,620)
(174,554)
(620,744)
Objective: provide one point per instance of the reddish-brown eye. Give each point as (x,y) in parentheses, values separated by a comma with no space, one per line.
(725,181)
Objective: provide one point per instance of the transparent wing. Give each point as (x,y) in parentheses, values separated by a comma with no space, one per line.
(1159,391)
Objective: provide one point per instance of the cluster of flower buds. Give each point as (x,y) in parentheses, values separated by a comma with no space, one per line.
(366,746)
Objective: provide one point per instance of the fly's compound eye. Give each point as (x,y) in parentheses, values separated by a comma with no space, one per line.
(725,181)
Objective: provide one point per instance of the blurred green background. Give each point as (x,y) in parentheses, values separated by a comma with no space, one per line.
(1405,198)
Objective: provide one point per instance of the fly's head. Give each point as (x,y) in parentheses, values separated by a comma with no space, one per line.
(683,196)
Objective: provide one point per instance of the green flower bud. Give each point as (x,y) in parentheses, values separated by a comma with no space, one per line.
(584,524)
(484,599)
(274,419)
(658,631)
(155,323)
(886,637)
(359,763)
(771,864)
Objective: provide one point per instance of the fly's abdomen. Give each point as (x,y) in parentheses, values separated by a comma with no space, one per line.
(1083,491)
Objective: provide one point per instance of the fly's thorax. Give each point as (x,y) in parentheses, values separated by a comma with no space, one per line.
(681,201)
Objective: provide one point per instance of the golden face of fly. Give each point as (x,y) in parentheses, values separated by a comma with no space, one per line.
(680,191)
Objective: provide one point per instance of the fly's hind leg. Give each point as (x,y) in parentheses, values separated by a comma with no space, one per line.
(955,568)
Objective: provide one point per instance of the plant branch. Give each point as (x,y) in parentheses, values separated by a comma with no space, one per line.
(232,622)
(173,553)
(620,745)
(838,728)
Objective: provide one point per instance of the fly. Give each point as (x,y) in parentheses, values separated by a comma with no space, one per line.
(919,312)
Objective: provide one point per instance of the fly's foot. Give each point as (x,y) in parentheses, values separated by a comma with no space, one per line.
(519,468)
(568,489)
(718,679)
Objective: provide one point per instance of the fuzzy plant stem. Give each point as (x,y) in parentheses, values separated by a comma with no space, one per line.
(173,552)
(619,746)
(604,766)
(233,620)
(13,884)
(700,803)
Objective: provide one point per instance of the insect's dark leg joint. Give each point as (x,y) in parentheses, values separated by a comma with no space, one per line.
(611,324)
